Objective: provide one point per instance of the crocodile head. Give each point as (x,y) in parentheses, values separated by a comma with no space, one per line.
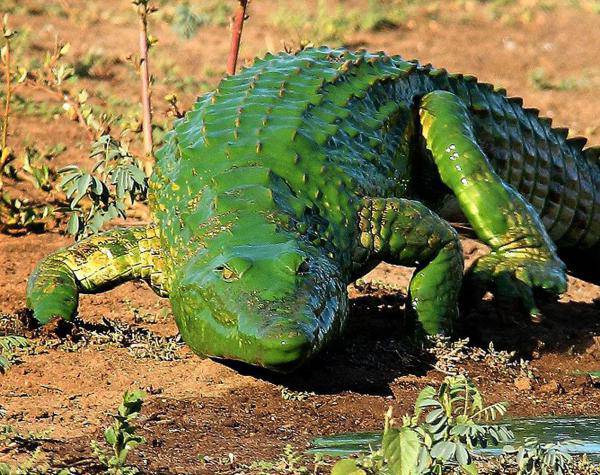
(271,304)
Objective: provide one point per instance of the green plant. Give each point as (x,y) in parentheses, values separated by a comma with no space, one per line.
(8,345)
(5,57)
(116,181)
(447,424)
(541,81)
(186,21)
(121,436)
(289,463)
(536,458)
(17,214)
(290,395)
(332,21)
(31,466)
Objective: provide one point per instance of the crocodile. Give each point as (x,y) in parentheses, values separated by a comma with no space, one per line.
(305,170)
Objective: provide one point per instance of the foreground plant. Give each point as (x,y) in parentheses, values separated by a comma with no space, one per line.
(8,345)
(121,436)
(447,424)
(536,458)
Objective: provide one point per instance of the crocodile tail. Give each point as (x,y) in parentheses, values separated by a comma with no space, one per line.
(95,264)
(584,229)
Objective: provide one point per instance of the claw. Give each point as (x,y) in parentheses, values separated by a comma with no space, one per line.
(513,279)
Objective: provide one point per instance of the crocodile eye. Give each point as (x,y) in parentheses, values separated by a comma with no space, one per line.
(303,268)
(227,274)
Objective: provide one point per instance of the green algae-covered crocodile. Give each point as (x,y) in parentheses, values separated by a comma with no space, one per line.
(302,172)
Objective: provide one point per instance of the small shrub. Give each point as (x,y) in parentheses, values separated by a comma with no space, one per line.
(289,463)
(116,181)
(536,458)
(447,424)
(121,436)
(8,345)
(186,21)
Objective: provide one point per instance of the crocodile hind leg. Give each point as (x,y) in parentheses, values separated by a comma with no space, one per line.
(93,265)
(523,256)
(405,232)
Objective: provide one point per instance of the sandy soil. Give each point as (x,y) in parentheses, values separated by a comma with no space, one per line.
(200,407)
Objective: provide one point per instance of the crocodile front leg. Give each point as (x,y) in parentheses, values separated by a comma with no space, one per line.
(523,255)
(405,232)
(93,265)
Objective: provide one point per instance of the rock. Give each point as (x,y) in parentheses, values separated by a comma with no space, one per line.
(523,384)
(552,387)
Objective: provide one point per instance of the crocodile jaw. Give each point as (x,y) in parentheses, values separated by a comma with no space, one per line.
(276,330)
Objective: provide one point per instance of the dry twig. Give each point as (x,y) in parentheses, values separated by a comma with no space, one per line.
(236,36)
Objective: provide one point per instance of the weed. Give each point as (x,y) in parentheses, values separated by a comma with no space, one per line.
(447,424)
(17,214)
(186,21)
(540,81)
(31,466)
(332,21)
(88,65)
(8,350)
(534,457)
(121,436)
(30,442)
(289,463)
(6,57)
(451,354)
(289,395)
(116,181)
(139,342)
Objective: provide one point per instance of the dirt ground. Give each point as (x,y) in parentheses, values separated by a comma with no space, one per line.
(199,411)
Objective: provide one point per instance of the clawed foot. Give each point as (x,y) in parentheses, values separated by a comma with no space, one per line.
(514,277)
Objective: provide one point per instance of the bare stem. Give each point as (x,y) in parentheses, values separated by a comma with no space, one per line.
(63,95)
(145,77)
(236,36)
(8,98)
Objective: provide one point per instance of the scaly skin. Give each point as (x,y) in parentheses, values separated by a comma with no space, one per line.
(303,171)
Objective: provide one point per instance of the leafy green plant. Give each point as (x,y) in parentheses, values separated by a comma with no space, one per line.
(333,21)
(447,424)
(542,82)
(8,345)
(121,436)
(17,214)
(186,21)
(8,34)
(289,463)
(536,458)
(33,465)
(115,182)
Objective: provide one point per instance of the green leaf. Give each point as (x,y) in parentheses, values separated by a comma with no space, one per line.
(347,467)
(443,450)
(401,450)
(471,469)
(82,186)
(73,224)
(110,436)
(425,399)
(462,455)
